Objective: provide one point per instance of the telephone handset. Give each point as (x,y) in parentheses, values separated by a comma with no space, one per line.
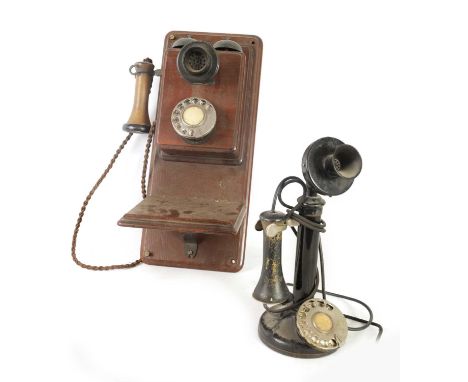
(194,213)
(139,122)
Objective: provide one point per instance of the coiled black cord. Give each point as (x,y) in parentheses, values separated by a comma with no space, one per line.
(282,185)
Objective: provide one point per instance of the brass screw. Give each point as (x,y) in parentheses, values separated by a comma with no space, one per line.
(147,253)
(171,37)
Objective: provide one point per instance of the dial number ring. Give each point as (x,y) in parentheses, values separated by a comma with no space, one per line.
(193,118)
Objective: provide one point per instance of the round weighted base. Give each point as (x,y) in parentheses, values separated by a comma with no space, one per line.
(278,331)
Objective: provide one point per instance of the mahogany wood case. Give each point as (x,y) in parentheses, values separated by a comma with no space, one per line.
(195,214)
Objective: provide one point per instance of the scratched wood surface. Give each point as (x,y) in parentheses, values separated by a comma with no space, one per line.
(193,175)
(186,213)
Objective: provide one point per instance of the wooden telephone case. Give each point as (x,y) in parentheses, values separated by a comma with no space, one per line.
(195,214)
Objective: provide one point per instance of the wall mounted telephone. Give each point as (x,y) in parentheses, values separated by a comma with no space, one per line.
(194,213)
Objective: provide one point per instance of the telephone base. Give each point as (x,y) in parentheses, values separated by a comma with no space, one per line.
(278,331)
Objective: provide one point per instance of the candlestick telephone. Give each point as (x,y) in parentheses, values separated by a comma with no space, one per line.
(194,211)
(298,324)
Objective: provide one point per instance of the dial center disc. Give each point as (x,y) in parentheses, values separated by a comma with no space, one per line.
(193,115)
(322,322)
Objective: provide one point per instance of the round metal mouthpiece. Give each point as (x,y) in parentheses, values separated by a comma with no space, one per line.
(330,166)
(197,62)
(345,162)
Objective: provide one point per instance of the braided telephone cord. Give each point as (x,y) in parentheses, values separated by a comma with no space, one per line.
(91,193)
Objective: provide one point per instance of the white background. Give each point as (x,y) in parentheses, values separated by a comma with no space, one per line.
(389,78)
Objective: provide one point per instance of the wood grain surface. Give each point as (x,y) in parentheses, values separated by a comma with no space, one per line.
(210,179)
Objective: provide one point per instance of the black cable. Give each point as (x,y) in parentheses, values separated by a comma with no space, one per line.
(324,296)
(282,185)
(348,316)
(291,211)
(377,325)
(369,310)
(320,226)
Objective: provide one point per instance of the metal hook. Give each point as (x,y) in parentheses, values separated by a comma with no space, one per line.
(130,70)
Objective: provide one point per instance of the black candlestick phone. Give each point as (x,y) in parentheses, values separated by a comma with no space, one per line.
(299,324)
